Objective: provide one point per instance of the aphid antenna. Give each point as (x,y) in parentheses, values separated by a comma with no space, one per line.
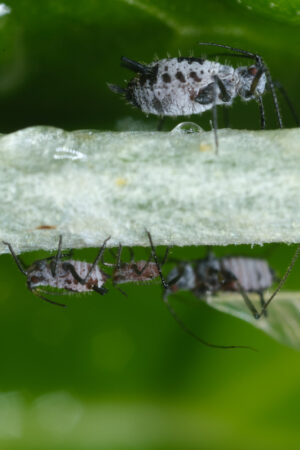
(195,336)
(177,318)
(264,69)
(16,258)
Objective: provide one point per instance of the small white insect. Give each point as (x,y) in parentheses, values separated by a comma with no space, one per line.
(186,85)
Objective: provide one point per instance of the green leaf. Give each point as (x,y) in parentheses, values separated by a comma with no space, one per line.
(283,316)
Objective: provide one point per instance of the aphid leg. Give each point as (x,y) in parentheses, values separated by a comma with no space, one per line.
(165,256)
(247,300)
(16,258)
(35,292)
(98,258)
(279,86)
(53,263)
(69,267)
(260,63)
(101,290)
(119,256)
(215,115)
(160,123)
(262,303)
(105,263)
(164,283)
(134,265)
(210,256)
(262,113)
(282,281)
(226,120)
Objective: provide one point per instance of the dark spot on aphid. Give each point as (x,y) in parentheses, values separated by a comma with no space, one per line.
(180,77)
(75,281)
(150,75)
(166,78)
(68,281)
(157,105)
(195,76)
(202,72)
(91,282)
(166,68)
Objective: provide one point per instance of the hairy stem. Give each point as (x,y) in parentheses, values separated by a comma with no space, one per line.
(89,185)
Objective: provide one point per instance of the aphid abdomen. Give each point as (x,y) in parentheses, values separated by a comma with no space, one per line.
(40,274)
(173,85)
(254,275)
(66,280)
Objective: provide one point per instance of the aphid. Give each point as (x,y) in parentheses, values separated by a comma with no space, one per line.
(211,275)
(135,271)
(186,85)
(70,275)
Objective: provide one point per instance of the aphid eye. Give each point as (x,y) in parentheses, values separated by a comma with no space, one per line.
(252,70)
(34,279)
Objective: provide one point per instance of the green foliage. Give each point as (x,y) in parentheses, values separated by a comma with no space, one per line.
(58,55)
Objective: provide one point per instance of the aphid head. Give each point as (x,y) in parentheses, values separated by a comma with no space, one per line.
(248,76)
(181,278)
(37,274)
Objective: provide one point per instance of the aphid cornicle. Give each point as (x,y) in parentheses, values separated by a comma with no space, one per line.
(66,274)
(187,85)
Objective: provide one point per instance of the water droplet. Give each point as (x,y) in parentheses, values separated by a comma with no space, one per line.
(187,128)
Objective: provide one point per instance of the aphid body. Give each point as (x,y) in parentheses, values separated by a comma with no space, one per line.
(40,274)
(61,273)
(135,272)
(231,273)
(140,271)
(185,86)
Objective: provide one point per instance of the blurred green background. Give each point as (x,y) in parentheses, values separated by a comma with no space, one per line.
(114,372)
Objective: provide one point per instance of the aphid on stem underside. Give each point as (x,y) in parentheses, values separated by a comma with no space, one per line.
(66,274)
(211,275)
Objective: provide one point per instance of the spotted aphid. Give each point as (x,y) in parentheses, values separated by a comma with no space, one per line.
(66,274)
(184,86)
